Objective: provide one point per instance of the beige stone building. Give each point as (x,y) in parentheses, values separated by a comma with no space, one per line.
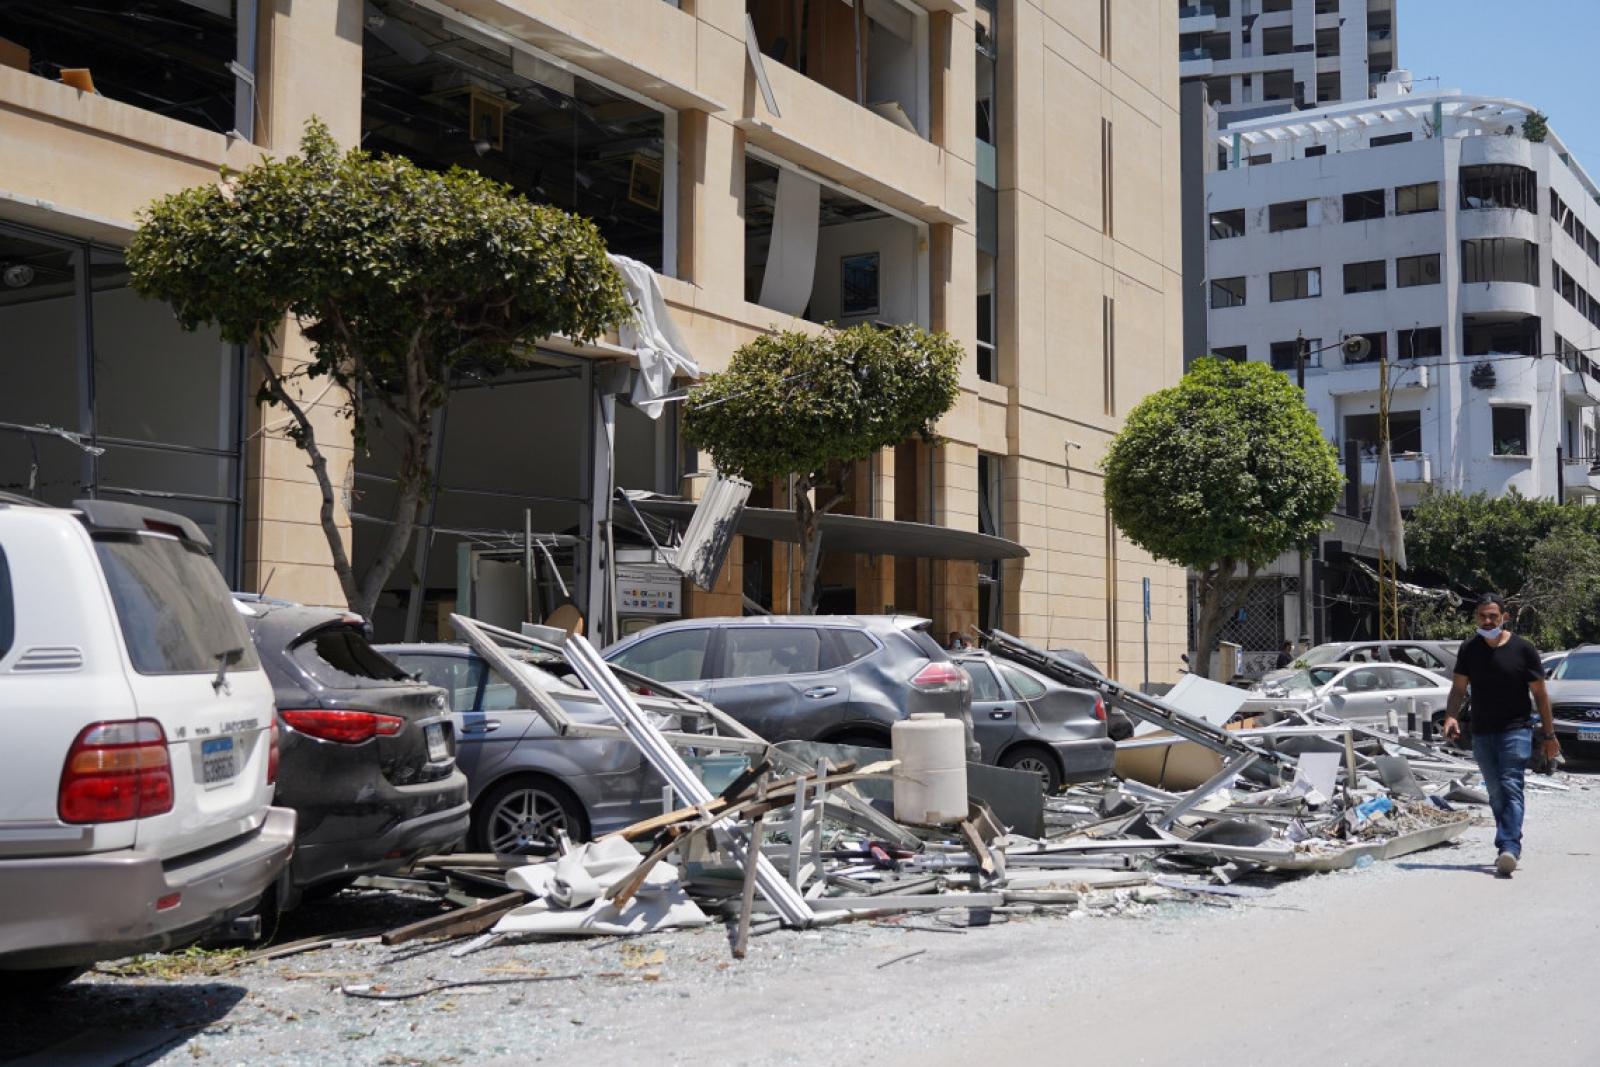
(1005,170)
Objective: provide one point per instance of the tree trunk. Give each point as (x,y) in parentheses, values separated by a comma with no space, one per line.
(415,475)
(809,521)
(1222,590)
(305,436)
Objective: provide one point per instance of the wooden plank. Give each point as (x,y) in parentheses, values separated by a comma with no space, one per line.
(741,940)
(456,922)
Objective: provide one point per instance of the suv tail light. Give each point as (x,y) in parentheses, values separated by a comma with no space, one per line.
(1099,708)
(941,676)
(345,727)
(116,771)
(273,751)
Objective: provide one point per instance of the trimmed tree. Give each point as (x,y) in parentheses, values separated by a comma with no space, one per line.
(1222,474)
(810,405)
(399,277)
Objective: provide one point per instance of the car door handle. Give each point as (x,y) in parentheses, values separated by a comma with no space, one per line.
(1390,699)
(817,692)
(999,715)
(488,727)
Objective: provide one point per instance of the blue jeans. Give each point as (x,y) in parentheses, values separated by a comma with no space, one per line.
(1502,757)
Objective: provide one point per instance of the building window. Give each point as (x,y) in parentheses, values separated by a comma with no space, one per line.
(1231,353)
(1420,343)
(1510,429)
(988,365)
(85,353)
(1416,270)
(1294,215)
(1220,90)
(858,284)
(1316,150)
(1277,85)
(1327,45)
(991,521)
(1499,185)
(1405,432)
(1108,311)
(1227,292)
(1107,171)
(1296,284)
(1277,41)
(1359,207)
(1105,28)
(1368,276)
(1500,259)
(1412,199)
(1389,139)
(1284,353)
(1226,224)
(1378,347)
(1260,159)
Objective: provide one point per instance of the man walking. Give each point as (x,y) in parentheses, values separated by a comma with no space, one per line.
(1507,681)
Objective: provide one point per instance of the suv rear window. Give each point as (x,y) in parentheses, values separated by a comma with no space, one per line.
(176,614)
(854,645)
(340,657)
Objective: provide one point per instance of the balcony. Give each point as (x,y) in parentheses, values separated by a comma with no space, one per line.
(1355,378)
(1194,62)
(1578,478)
(1197,18)
(1410,468)
(1580,387)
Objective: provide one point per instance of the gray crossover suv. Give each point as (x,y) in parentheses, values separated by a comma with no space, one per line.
(841,679)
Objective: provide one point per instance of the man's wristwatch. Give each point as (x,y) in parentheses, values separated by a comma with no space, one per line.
(1547,737)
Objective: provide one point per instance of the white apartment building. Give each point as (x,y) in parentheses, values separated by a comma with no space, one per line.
(1265,57)
(1465,253)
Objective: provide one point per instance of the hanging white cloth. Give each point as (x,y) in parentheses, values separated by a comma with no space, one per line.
(653,337)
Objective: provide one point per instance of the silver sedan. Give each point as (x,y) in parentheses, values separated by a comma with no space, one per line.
(1364,691)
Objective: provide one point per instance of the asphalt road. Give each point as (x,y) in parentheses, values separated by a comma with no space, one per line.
(1429,960)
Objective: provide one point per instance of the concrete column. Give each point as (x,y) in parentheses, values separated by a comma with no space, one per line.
(711,204)
(310,64)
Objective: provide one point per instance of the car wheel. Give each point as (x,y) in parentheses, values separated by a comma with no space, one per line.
(36,983)
(1035,761)
(520,816)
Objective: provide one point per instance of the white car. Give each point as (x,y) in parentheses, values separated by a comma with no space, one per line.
(1364,691)
(140,741)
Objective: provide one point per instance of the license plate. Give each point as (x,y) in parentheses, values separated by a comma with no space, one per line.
(217,761)
(1591,734)
(438,752)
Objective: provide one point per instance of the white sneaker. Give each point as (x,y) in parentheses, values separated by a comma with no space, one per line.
(1504,864)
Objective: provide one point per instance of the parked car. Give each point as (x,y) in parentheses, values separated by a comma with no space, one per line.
(136,778)
(369,753)
(1550,661)
(1028,722)
(1437,656)
(1119,724)
(1365,691)
(525,782)
(1574,691)
(841,679)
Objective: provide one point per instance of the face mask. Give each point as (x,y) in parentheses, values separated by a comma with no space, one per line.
(1489,635)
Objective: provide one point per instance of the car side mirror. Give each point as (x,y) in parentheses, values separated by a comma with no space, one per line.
(1338,691)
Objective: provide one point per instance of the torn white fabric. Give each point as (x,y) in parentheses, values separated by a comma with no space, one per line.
(792,247)
(571,892)
(653,336)
(1386,521)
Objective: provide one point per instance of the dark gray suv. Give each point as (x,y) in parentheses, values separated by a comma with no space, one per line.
(841,679)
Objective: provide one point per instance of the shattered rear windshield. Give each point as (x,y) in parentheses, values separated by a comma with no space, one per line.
(340,657)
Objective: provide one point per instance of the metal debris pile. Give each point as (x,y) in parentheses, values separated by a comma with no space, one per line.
(804,837)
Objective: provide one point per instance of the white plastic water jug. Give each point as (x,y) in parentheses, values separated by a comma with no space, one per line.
(930,785)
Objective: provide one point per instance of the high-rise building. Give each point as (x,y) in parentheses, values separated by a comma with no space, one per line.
(1004,170)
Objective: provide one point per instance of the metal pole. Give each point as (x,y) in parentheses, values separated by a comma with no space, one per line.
(1301,355)
(1147,635)
(1561,477)
(1388,599)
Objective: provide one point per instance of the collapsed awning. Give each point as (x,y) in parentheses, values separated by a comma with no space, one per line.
(847,533)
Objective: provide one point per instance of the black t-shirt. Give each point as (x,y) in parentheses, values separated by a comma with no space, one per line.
(1499,677)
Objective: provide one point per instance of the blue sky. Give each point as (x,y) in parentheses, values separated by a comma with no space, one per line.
(1543,52)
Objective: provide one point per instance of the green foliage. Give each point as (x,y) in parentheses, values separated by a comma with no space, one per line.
(1544,558)
(1475,544)
(397,274)
(795,403)
(1228,465)
(1536,127)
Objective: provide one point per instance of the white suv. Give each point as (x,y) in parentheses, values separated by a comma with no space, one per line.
(139,741)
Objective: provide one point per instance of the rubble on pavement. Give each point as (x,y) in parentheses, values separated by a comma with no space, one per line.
(805,840)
